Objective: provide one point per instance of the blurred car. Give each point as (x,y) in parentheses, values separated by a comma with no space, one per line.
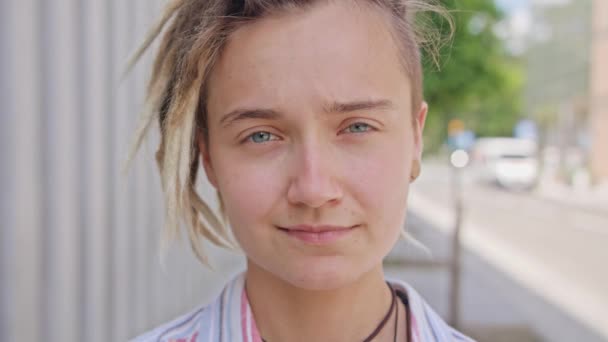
(511,163)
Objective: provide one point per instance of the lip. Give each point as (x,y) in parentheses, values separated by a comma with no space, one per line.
(318,235)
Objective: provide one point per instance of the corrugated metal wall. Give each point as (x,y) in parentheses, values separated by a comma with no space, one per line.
(78,239)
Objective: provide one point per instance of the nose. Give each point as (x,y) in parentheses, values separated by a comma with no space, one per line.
(314,182)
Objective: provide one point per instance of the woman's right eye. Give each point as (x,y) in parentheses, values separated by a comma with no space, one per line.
(260,137)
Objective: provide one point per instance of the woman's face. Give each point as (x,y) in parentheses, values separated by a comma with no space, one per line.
(311,142)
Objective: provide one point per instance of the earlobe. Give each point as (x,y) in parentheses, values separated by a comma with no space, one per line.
(415,172)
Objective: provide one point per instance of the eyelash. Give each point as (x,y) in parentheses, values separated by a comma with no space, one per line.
(368,127)
(250,136)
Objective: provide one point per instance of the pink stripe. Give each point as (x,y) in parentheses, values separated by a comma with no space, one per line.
(254,331)
(255,334)
(244,316)
(415,331)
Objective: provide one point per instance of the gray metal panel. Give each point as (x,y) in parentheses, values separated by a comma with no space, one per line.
(23,78)
(120,249)
(7,177)
(62,147)
(79,239)
(96,222)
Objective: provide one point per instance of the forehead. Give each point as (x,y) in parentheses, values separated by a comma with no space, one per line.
(334,51)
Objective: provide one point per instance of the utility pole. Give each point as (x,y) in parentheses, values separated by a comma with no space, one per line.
(455,268)
(459,141)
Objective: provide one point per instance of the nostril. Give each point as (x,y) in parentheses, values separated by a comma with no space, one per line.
(314,194)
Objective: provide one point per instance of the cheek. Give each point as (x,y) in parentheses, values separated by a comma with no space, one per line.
(249,191)
(380,183)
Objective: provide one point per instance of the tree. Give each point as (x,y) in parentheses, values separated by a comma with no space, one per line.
(476,79)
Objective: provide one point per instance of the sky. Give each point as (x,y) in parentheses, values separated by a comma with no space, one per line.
(517,5)
(519,25)
(512,5)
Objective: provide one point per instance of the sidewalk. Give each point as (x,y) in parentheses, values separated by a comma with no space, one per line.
(502,290)
(587,198)
(483,289)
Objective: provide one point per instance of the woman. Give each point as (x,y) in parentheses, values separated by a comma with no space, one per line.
(307,117)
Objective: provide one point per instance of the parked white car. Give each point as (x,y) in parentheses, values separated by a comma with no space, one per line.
(509,162)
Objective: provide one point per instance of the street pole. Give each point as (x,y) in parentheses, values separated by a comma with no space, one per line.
(456,247)
(459,140)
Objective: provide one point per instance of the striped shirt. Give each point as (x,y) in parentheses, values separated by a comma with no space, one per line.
(229,319)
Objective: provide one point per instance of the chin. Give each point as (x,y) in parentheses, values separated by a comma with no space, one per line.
(320,282)
(323,275)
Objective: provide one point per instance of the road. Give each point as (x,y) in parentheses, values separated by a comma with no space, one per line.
(553,253)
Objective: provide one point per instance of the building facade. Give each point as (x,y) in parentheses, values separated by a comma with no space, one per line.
(598,94)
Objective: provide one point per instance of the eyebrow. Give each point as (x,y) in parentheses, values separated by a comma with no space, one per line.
(347,107)
(241,114)
(335,107)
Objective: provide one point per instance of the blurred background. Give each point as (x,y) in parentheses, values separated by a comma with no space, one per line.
(512,202)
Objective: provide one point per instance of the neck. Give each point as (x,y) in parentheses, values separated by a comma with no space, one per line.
(284,312)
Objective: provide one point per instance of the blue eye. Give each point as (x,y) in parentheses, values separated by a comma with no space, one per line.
(260,137)
(358,127)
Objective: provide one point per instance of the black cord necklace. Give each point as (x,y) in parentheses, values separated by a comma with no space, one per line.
(386,317)
(382,323)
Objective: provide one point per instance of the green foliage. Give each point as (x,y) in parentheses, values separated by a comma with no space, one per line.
(476,81)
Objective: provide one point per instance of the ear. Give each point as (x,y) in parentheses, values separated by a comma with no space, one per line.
(206,158)
(419,128)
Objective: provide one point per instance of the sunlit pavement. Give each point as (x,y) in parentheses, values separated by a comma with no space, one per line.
(532,267)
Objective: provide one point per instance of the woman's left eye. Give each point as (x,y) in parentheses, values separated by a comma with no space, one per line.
(260,137)
(358,127)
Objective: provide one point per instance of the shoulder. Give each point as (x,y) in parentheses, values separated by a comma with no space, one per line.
(205,323)
(426,324)
(185,328)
